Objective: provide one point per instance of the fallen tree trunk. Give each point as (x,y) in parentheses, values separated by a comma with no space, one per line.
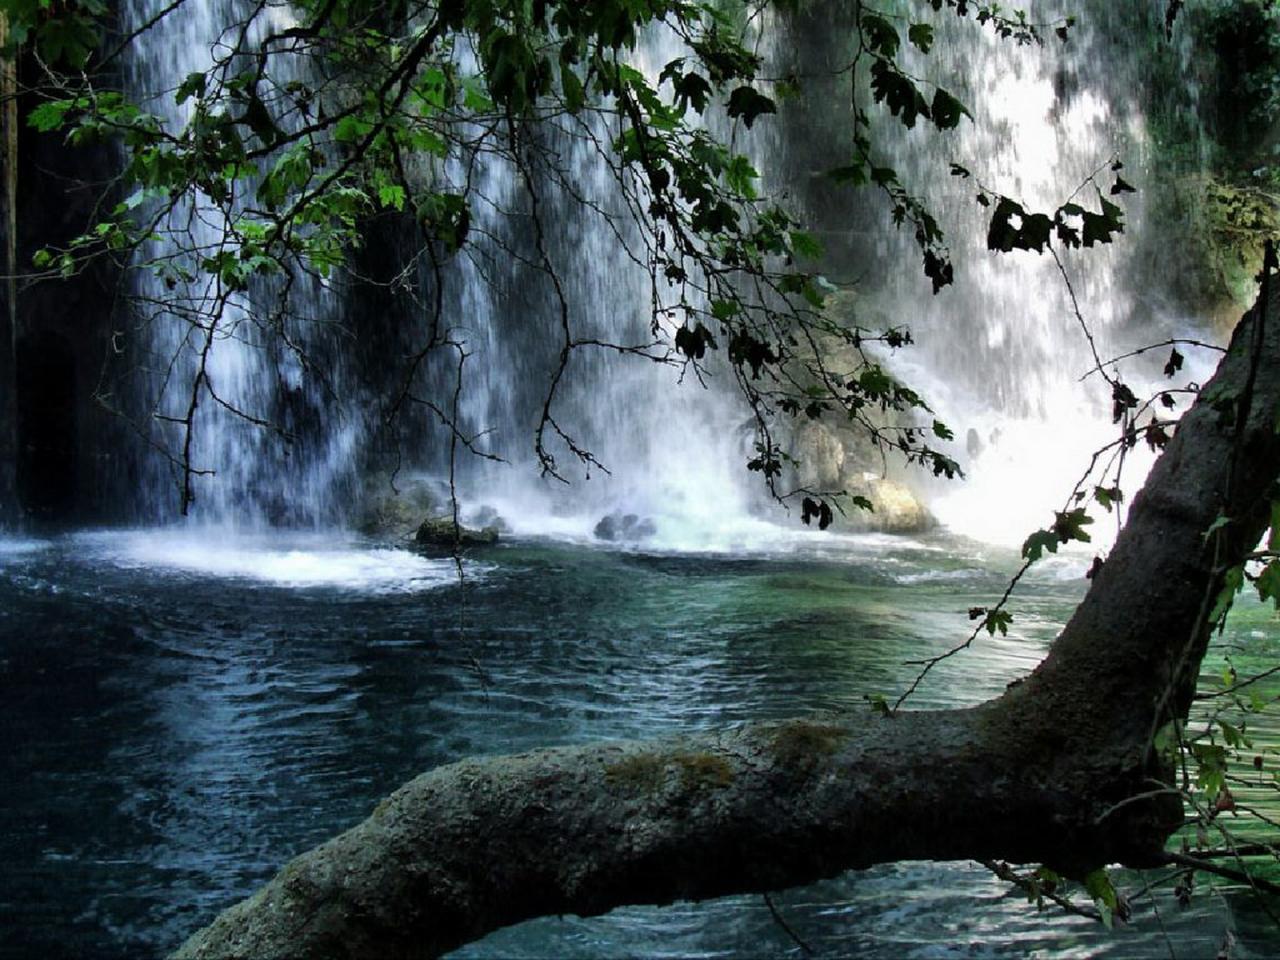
(1048,772)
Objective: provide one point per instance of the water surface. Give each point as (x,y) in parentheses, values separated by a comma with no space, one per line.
(187,710)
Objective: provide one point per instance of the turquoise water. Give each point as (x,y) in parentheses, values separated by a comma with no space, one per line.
(184,712)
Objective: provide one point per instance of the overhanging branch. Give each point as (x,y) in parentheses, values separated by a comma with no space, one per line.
(1057,770)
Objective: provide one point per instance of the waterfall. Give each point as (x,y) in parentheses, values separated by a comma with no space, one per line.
(668,452)
(269,443)
(1000,356)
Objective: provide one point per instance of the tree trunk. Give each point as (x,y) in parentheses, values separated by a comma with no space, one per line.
(8,284)
(1043,773)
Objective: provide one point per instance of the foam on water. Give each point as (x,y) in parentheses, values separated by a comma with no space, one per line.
(17,547)
(296,561)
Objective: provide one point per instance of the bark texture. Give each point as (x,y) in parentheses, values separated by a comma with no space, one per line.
(1039,774)
(8,288)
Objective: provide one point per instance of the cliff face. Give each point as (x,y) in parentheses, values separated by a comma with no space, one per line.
(60,451)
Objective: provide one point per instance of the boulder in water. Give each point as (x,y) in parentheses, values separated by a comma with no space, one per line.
(488,516)
(395,508)
(621,527)
(443,532)
(897,509)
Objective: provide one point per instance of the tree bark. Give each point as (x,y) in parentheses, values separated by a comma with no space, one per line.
(8,285)
(1048,772)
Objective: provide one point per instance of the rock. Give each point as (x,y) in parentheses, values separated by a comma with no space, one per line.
(973,444)
(488,516)
(443,532)
(618,526)
(821,454)
(897,509)
(396,509)
(831,458)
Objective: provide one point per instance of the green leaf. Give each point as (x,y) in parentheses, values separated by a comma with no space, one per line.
(947,110)
(892,87)
(820,509)
(1233,736)
(50,115)
(446,217)
(741,176)
(67,37)
(1035,545)
(921,36)
(1011,228)
(854,174)
(998,620)
(725,309)
(391,195)
(1099,887)
(938,268)
(475,95)
(1168,741)
(1268,583)
(880,35)
(192,86)
(575,96)
(1099,227)
(694,342)
(1070,525)
(748,103)
(1232,581)
(805,244)
(1108,496)
(692,90)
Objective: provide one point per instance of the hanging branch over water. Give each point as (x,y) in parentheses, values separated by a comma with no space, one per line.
(297,133)
(1059,769)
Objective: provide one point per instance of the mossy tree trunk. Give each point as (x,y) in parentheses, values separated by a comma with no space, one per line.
(1047,772)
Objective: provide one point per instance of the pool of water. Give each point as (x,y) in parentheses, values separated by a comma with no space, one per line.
(184,711)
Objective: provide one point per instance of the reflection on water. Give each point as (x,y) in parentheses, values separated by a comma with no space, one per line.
(184,714)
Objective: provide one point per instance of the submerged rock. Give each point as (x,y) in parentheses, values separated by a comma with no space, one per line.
(619,526)
(443,532)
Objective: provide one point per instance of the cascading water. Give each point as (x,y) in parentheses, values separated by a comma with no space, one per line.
(254,377)
(668,452)
(1000,353)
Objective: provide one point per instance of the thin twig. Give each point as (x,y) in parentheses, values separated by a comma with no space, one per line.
(786,927)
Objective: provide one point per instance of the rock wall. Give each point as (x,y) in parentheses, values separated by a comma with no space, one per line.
(66,457)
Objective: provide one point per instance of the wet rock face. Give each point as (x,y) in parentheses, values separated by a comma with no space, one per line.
(620,527)
(822,458)
(897,509)
(831,459)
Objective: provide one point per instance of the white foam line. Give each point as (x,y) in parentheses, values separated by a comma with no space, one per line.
(284,561)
